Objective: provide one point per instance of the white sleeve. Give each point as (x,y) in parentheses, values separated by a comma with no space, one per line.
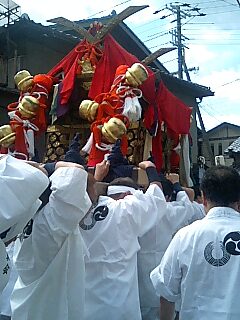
(143,210)
(166,278)
(68,204)
(69,201)
(180,211)
(198,212)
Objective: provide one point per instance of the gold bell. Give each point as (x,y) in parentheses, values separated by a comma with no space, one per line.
(23,80)
(28,107)
(7,136)
(88,110)
(136,75)
(87,71)
(113,130)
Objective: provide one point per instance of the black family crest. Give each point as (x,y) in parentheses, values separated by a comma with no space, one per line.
(230,246)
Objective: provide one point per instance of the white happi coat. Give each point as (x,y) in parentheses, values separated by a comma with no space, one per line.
(50,261)
(153,246)
(20,187)
(202,267)
(5,308)
(111,268)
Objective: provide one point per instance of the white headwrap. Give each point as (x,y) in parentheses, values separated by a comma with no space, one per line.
(119,189)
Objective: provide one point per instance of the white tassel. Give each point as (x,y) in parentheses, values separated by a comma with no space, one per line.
(138,108)
(129,109)
(88,145)
(132,108)
(29,136)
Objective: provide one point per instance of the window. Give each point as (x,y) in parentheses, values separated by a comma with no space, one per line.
(219,149)
(212,147)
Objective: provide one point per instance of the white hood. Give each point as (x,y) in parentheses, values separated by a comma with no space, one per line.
(20,187)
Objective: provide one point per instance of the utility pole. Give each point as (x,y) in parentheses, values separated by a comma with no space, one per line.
(181,11)
(179,40)
(177,37)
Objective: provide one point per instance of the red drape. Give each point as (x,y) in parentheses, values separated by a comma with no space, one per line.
(113,56)
(173,111)
(176,116)
(68,65)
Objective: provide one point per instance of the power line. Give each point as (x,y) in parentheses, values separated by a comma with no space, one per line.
(202,2)
(119,4)
(156,37)
(169,60)
(215,7)
(230,3)
(227,83)
(200,30)
(204,109)
(213,33)
(159,45)
(223,12)
(207,39)
(214,44)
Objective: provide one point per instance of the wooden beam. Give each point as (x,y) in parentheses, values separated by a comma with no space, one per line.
(116,20)
(73,26)
(106,27)
(153,56)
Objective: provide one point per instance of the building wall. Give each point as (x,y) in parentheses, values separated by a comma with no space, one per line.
(219,140)
(35,57)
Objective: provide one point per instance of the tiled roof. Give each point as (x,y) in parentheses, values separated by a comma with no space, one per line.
(234,147)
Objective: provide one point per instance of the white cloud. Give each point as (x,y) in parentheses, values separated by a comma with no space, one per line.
(199,55)
(72,9)
(213,121)
(221,82)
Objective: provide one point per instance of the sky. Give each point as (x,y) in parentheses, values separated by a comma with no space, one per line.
(213,43)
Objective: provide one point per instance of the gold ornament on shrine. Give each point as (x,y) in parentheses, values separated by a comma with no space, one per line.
(7,136)
(136,75)
(28,107)
(23,80)
(88,110)
(113,130)
(87,72)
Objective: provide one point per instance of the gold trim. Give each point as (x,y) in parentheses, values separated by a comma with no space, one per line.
(31,113)
(23,80)
(7,137)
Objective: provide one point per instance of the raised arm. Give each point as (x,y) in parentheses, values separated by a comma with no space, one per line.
(69,200)
(144,209)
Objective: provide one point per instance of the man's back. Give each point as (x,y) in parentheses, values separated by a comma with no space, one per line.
(111,268)
(51,259)
(209,273)
(153,245)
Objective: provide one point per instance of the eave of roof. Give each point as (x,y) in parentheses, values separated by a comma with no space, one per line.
(223,124)
(197,90)
(28,26)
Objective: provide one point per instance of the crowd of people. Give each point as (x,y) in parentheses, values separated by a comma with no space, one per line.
(127,253)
